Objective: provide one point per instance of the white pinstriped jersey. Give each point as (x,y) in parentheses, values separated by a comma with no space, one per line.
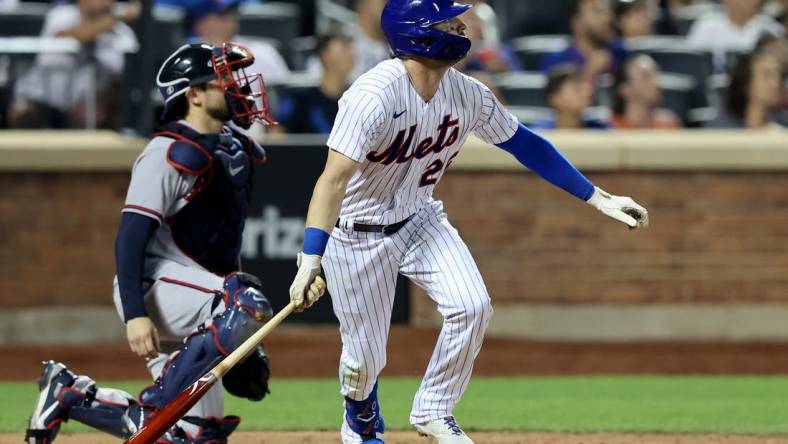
(404,144)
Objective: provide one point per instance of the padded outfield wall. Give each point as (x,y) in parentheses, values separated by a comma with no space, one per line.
(714,264)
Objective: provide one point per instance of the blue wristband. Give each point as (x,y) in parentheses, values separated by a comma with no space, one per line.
(315,241)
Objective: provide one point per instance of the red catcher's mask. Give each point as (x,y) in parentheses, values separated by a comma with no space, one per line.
(245,94)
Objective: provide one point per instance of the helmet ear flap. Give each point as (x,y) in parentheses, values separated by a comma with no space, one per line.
(425,42)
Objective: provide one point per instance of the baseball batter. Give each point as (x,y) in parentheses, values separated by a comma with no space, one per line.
(372,214)
(177,255)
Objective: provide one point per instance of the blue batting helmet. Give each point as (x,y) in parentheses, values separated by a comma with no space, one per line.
(407,25)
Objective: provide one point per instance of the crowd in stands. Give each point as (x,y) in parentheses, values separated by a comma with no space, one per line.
(606,64)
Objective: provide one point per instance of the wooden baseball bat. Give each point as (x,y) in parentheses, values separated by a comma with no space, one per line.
(164,419)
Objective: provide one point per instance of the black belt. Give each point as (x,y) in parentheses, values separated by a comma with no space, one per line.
(385,229)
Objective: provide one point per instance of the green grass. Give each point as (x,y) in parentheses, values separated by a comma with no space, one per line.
(747,405)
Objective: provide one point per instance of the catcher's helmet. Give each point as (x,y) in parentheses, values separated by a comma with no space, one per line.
(407,25)
(199,63)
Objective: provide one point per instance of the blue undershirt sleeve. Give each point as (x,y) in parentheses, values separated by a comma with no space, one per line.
(133,235)
(541,157)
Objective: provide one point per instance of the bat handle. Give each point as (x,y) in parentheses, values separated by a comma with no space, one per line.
(248,345)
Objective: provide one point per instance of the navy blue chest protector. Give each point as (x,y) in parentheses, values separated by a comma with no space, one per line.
(209,229)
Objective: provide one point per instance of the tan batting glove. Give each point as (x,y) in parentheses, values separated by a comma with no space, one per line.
(620,208)
(307,285)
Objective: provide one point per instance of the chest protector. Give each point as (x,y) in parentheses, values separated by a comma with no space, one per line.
(209,229)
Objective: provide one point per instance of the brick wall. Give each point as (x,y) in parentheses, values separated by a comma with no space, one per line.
(57,232)
(714,237)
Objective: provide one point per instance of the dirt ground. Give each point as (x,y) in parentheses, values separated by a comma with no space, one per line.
(298,351)
(479,438)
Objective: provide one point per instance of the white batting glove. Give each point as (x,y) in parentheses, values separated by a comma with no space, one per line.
(307,285)
(620,208)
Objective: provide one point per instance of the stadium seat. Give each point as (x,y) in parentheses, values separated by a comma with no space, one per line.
(12,67)
(731,57)
(667,52)
(531,114)
(531,17)
(295,82)
(677,94)
(308,13)
(523,89)
(302,48)
(171,34)
(276,21)
(27,19)
(531,49)
(671,55)
(170,28)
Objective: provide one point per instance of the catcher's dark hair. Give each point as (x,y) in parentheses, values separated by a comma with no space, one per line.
(177,109)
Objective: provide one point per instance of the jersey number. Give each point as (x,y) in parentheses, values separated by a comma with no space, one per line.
(432,173)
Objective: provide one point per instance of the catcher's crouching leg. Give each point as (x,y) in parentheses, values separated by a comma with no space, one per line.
(63,395)
(247,309)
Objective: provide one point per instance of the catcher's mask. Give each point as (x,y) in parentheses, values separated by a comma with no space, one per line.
(197,64)
(244,93)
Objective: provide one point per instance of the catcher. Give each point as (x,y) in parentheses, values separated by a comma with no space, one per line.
(178,258)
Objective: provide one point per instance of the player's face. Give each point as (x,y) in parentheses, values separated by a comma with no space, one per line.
(474,29)
(213,102)
(454,26)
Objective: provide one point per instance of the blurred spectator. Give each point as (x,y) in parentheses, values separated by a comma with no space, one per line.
(754,93)
(487,54)
(778,47)
(569,94)
(594,48)
(637,97)
(634,18)
(57,92)
(370,43)
(312,110)
(737,29)
(217,21)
